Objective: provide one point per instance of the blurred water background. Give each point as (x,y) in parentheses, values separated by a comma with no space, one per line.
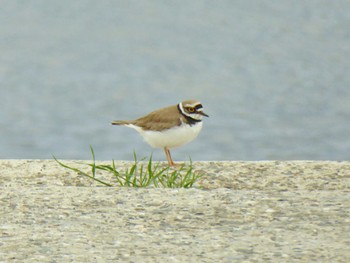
(273,75)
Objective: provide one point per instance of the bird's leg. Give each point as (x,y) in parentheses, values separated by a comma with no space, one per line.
(168,156)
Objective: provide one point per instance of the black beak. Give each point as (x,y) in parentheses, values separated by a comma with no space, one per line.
(203,114)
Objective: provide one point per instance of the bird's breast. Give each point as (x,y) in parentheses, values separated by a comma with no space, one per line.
(173,137)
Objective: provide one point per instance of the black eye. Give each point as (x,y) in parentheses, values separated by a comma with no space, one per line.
(191,109)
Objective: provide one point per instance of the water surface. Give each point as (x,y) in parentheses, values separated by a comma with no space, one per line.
(272,75)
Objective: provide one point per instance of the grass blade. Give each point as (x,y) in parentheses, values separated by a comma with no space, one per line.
(80,172)
(140,174)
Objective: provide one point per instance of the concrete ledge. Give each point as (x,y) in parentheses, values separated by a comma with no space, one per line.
(248,212)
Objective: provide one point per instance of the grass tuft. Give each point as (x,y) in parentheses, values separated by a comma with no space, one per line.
(141,174)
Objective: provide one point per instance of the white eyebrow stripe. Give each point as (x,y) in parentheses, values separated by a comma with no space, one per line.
(198,106)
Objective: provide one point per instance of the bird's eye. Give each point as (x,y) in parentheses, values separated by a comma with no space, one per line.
(191,109)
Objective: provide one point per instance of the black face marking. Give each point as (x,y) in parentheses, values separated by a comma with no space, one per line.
(190,109)
(199,106)
(191,121)
(194,109)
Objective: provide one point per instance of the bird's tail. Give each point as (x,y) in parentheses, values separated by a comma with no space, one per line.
(120,122)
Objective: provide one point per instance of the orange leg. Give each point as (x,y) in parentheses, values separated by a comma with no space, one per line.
(168,156)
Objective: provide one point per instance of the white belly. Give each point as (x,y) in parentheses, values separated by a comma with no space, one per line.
(170,138)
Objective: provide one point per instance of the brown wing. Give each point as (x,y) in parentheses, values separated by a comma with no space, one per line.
(160,119)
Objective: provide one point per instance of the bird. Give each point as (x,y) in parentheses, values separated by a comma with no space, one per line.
(169,127)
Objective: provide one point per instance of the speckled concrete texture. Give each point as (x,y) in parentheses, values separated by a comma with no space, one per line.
(238,212)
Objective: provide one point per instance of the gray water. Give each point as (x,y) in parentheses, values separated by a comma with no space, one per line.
(273,76)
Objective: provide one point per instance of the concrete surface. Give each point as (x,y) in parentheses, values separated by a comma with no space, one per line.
(271,211)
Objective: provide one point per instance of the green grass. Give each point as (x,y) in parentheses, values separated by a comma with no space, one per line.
(141,174)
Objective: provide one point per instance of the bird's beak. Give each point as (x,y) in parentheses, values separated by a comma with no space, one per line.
(203,114)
